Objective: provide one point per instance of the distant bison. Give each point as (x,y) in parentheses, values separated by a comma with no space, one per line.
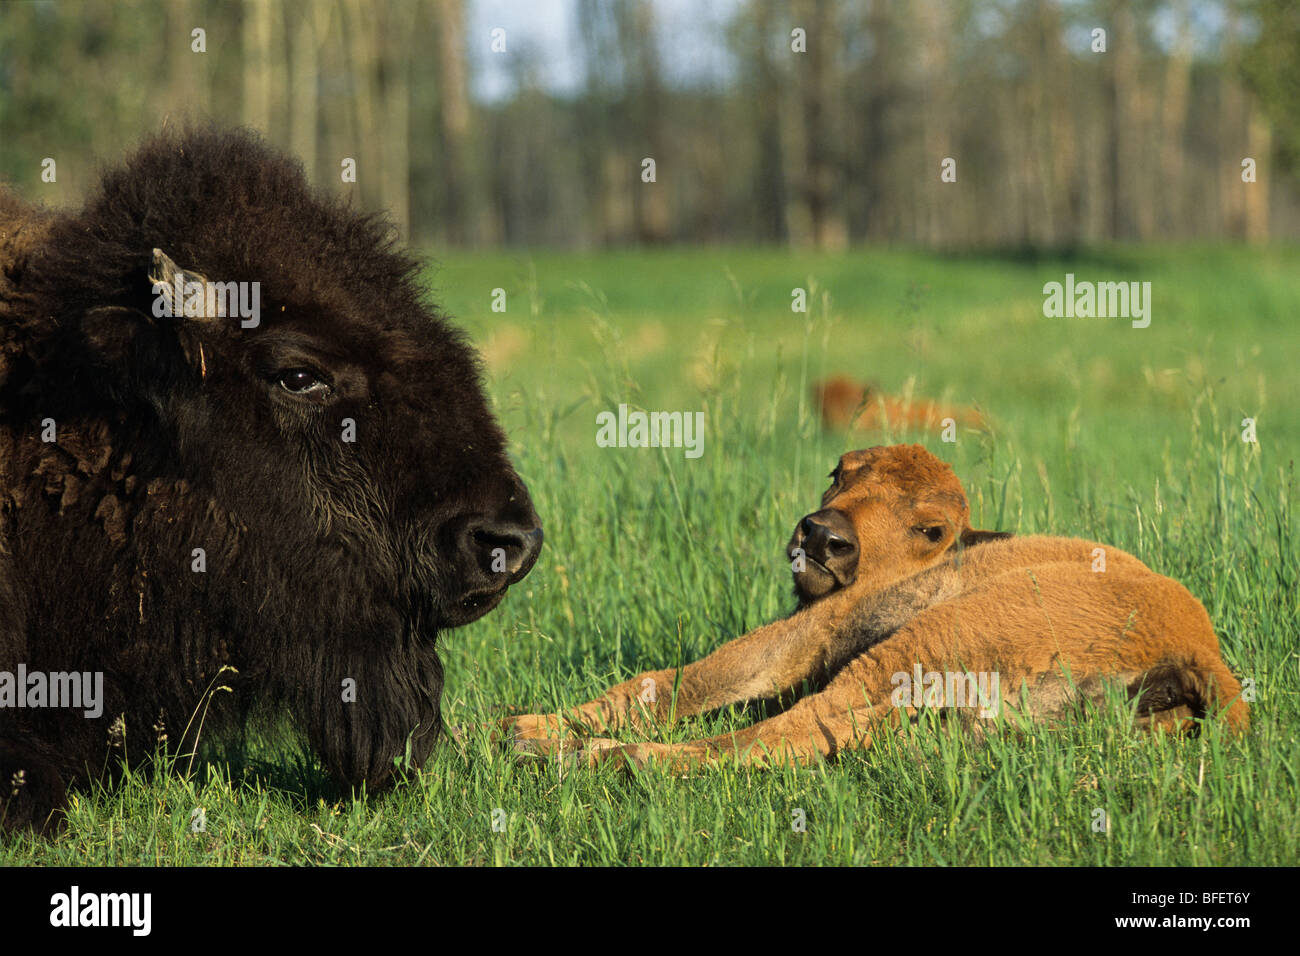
(231,434)
(844,403)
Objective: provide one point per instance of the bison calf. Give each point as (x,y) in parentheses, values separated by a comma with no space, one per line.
(231,436)
(902,605)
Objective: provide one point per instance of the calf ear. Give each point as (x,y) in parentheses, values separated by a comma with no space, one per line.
(970,537)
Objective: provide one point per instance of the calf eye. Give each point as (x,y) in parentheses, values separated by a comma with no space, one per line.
(302,381)
(934,533)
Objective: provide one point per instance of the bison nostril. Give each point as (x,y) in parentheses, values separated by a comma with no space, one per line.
(838,546)
(827,537)
(506,548)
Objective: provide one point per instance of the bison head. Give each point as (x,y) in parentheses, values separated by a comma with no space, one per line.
(890,512)
(270,349)
(267,451)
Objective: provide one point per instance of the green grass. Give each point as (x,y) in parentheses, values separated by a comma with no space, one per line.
(1129,436)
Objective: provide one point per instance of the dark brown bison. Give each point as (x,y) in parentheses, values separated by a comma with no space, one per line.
(231,435)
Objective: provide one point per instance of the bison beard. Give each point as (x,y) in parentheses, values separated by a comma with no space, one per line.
(309,500)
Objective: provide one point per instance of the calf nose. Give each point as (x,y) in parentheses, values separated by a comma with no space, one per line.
(828,539)
(504,547)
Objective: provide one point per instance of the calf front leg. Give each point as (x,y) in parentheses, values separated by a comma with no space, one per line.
(1053,636)
(765,664)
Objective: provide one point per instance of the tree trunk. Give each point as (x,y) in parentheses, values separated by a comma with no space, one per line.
(936,197)
(362,40)
(258,74)
(1259,140)
(456,180)
(308,35)
(1173,117)
(394,62)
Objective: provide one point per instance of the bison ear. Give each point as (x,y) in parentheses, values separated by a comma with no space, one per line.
(180,292)
(970,537)
(115,333)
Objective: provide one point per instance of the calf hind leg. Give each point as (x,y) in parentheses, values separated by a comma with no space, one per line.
(1172,695)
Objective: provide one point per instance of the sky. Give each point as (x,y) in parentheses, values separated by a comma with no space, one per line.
(697,51)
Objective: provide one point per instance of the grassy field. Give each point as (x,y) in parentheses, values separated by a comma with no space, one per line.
(1130,436)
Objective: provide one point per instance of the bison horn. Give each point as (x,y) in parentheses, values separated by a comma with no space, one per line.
(179,292)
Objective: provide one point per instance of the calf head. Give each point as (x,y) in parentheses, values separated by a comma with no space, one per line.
(890,512)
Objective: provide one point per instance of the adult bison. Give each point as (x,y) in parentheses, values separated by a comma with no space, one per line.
(231,435)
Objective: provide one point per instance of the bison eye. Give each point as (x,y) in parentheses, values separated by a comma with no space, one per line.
(302,381)
(933,533)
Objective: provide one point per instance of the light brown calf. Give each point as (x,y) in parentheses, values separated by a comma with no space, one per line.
(893,582)
(844,403)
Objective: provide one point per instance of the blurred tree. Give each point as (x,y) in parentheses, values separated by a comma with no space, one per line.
(1271,65)
(458,182)
(310,27)
(812,145)
(1056,143)
(262,81)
